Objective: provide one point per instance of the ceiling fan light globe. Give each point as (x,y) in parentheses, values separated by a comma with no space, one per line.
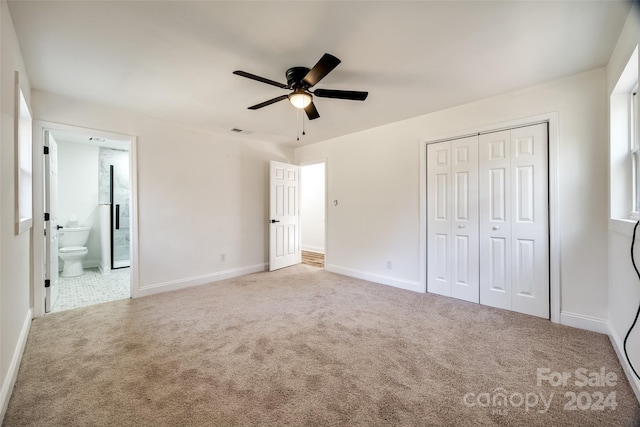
(300,99)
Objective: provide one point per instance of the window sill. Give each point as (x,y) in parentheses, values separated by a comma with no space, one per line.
(622,226)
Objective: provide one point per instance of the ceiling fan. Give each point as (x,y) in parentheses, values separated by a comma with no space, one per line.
(300,80)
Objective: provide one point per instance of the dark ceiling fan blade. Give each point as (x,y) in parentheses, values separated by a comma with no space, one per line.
(269,102)
(321,69)
(341,94)
(311,111)
(260,79)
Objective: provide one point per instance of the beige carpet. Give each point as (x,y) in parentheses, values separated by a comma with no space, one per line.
(305,347)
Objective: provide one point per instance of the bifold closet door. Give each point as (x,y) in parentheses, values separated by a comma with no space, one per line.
(452,219)
(514,240)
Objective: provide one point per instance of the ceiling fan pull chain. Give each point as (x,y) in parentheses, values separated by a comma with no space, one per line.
(297,124)
(303,133)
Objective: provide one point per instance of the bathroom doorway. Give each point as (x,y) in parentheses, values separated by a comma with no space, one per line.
(95,194)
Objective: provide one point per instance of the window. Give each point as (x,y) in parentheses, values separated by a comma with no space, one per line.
(625,144)
(24,195)
(634,149)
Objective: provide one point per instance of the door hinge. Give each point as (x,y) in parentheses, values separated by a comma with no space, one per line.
(46,149)
(46,216)
(47,283)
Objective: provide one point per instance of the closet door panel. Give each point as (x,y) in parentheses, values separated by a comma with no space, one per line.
(494,158)
(464,226)
(530,225)
(439,218)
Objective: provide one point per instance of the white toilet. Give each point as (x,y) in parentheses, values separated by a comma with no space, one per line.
(72,249)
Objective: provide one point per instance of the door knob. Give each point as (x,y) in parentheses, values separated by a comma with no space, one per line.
(274,221)
(461,226)
(58,227)
(495,227)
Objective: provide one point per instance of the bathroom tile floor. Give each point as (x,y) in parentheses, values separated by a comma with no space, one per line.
(92,288)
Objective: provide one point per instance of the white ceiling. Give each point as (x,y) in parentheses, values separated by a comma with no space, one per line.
(173,60)
(89,139)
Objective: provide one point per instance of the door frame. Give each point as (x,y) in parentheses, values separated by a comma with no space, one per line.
(38,292)
(326,204)
(554,214)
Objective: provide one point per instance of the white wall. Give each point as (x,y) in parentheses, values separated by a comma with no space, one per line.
(200,194)
(375,177)
(624,285)
(312,207)
(15,250)
(78,174)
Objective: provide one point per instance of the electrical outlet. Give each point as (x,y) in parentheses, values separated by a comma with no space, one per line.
(223,257)
(389,265)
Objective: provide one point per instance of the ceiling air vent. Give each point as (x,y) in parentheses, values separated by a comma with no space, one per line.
(242,131)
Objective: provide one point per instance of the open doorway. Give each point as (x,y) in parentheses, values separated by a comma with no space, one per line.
(312,214)
(88,200)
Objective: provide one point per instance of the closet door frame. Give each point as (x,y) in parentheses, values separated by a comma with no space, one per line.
(554,232)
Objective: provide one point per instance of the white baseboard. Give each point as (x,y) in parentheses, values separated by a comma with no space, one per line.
(582,321)
(199,280)
(603,326)
(376,278)
(12,372)
(316,249)
(617,344)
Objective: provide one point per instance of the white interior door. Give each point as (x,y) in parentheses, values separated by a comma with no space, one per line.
(51,227)
(284,241)
(514,239)
(452,180)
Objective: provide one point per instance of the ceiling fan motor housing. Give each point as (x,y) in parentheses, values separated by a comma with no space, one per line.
(295,76)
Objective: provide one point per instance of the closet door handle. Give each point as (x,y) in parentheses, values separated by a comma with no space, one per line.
(496,227)
(117,217)
(461,226)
